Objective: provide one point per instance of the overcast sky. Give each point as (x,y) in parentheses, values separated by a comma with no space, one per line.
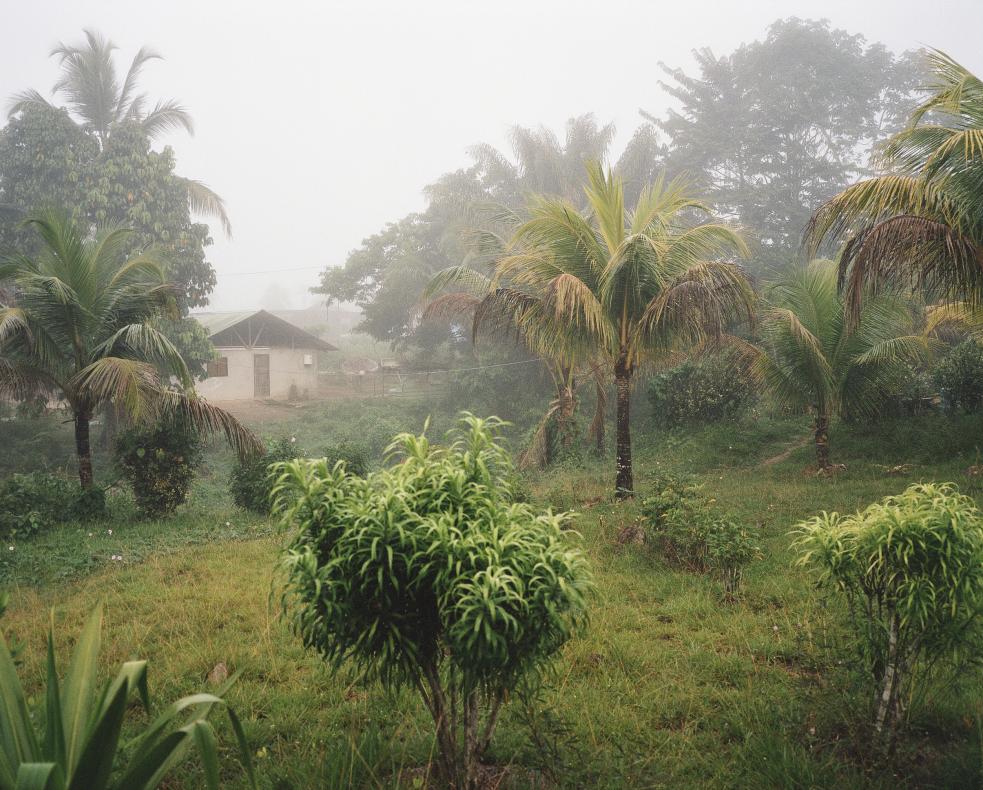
(321,121)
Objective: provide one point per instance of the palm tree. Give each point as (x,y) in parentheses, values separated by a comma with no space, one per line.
(811,358)
(81,329)
(921,223)
(501,309)
(620,285)
(93,91)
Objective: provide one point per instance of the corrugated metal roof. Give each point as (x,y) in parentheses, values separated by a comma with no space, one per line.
(216,322)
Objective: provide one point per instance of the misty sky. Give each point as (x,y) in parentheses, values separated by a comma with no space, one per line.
(320,121)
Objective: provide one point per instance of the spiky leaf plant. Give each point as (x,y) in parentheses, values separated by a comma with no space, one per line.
(427,575)
(80,747)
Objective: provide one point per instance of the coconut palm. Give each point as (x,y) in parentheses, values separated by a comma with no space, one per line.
(921,223)
(91,87)
(81,329)
(624,284)
(503,309)
(811,358)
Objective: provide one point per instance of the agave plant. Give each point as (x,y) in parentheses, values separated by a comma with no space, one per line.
(80,745)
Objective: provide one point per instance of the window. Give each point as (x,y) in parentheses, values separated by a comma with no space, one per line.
(218,367)
(308,360)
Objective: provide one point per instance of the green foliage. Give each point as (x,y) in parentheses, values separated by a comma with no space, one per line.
(427,575)
(159,462)
(355,456)
(698,390)
(691,533)
(79,743)
(776,127)
(33,440)
(251,481)
(33,503)
(959,377)
(911,569)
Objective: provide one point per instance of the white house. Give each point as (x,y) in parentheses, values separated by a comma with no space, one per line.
(259,356)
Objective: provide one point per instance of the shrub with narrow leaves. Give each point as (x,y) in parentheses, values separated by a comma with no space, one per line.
(31,504)
(911,570)
(428,574)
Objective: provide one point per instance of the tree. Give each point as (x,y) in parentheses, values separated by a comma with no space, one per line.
(389,272)
(105,166)
(777,127)
(427,575)
(82,328)
(920,223)
(811,359)
(633,282)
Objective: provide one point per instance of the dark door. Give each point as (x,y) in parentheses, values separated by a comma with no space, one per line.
(261,375)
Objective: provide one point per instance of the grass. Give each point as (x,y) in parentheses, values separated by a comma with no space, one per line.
(670,686)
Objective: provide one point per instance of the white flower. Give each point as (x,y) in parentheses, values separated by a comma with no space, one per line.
(228,523)
(11,548)
(293,439)
(90,534)
(109,531)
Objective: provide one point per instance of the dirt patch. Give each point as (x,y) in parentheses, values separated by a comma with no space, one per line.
(787,453)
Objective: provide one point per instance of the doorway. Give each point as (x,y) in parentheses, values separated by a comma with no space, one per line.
(261,375)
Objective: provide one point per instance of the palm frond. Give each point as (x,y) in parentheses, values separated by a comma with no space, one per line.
(205,201)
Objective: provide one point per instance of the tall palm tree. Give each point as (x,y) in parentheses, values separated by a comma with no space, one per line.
(81,329)
(811,358)
(623,283)
(91,87)
(921,223)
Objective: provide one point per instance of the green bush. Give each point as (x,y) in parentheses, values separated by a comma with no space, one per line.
(911,570)
(354,455)
(159,462)
(690,533)
(251,481)
(79,744)
(426,574)
(959,377)
(33,503)
(701,390)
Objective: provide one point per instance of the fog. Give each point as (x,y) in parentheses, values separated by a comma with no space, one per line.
(318,122)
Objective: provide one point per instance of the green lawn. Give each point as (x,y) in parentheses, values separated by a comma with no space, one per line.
(670,687)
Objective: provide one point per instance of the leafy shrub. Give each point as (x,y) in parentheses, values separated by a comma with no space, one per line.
(80,744)
(911,570)
(159,462)
(251,481)
(33,503)
(959,377)
(354,455)
(33,441)
(427,575)
(701,390)
(692,534)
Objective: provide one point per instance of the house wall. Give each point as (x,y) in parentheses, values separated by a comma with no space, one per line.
(286,368)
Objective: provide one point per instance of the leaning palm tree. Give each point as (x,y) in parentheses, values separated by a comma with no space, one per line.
(81,328)
(921,223)
(812,357)
(101,101)
(505,310)
(633,283)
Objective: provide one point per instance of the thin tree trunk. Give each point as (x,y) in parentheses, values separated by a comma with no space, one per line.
(886,706)
(83,448)
(822,440)
(624,484)
(565,415)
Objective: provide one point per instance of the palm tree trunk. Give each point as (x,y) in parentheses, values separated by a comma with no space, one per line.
(83,449)
(624,484)
(822,440)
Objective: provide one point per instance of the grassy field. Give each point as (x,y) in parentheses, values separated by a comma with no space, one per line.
(671,686)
